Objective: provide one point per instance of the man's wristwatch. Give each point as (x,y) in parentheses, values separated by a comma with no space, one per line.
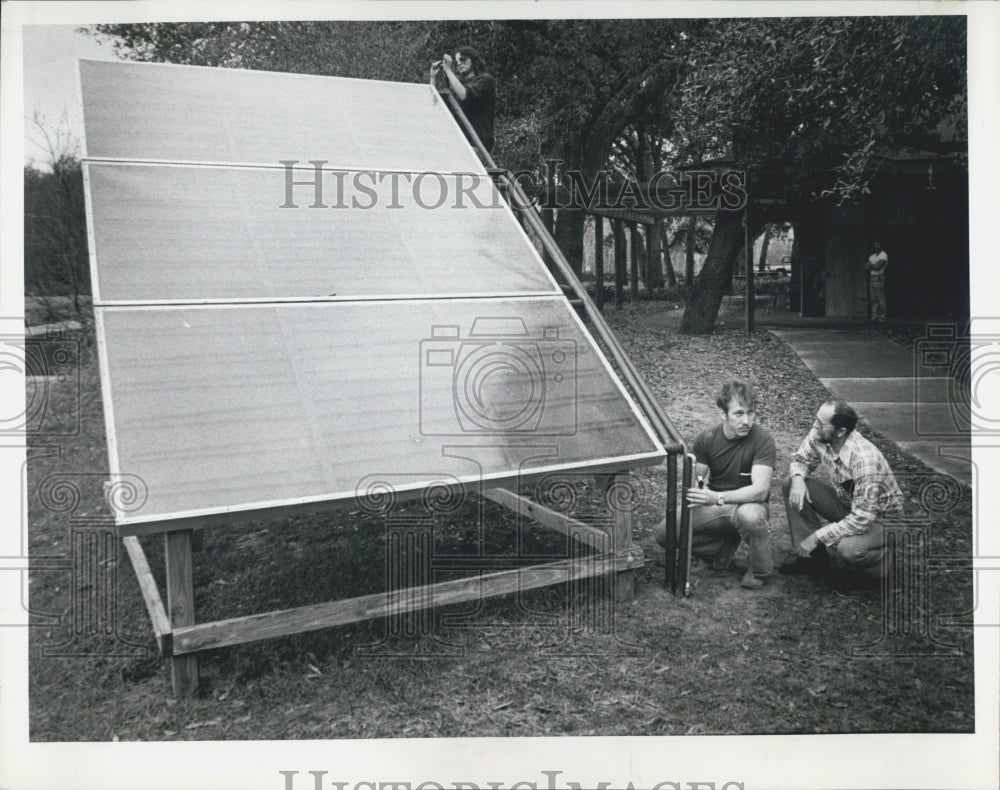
(721,500)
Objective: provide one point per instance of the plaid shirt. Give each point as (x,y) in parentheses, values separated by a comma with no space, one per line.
(860,475)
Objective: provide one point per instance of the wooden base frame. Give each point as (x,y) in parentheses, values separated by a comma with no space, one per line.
(180,638)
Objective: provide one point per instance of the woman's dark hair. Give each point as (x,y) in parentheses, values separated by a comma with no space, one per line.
(473,54)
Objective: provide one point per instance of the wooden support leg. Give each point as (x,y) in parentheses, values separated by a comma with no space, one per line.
(180,606)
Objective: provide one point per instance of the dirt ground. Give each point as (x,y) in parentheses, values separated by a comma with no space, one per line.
(804,655)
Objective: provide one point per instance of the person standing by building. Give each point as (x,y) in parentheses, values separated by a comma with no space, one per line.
(878,261)
(473,86)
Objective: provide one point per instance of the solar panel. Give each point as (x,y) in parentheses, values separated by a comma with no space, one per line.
(267,341)
(232,408)
(167,233)
(139,111)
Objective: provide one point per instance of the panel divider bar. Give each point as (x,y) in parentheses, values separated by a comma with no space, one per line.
(280,165)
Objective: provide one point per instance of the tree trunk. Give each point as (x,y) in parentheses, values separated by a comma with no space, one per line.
(716,275)
(587,158)
(762,263)
(795,280)
(599,262)
(655,247)
(812,265)
(569,236)
(689,255)
(635,252)
(618,230)
(668,263)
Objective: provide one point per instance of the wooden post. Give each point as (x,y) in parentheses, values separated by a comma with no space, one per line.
(180,607)
(633,293)
(599,260)
(618,228)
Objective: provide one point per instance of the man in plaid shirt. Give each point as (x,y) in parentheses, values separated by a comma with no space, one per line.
(854,495)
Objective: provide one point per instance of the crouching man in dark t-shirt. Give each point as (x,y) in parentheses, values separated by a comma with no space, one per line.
(738,458)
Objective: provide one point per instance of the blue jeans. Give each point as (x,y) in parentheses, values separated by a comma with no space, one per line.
(715,528)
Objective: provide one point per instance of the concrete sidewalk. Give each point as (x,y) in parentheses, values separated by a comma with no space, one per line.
(892,390)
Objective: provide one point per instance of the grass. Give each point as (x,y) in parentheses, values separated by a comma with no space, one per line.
(555,661)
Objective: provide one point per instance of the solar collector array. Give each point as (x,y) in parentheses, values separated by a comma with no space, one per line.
(255,355)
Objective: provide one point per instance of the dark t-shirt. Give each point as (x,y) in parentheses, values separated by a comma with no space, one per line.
(730,460)
(479,106)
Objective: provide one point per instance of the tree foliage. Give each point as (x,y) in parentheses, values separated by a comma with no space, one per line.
(814,99)
(598,93)
(55,224)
